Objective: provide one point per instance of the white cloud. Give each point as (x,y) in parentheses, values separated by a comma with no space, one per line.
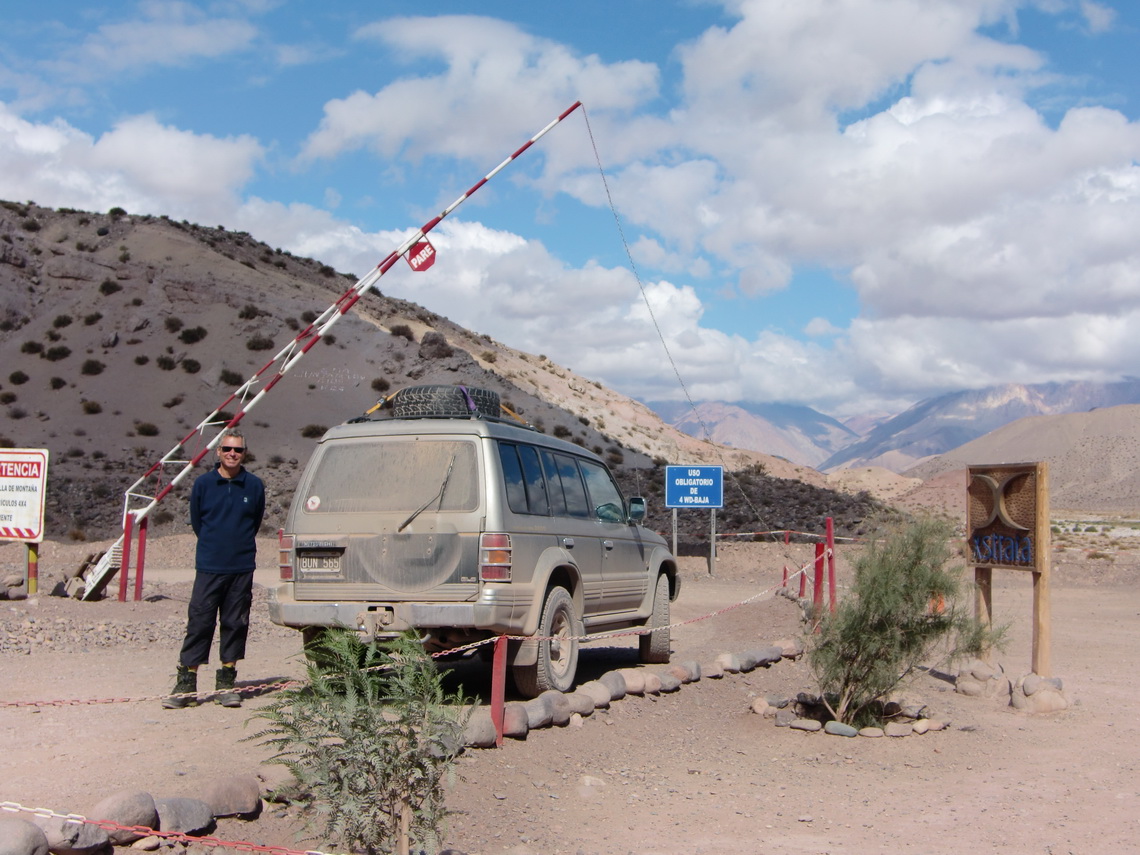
(139,165)
(166,33)
(1098,16)
(496,79)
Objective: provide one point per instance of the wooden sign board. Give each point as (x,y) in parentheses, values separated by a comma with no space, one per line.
(1007,527)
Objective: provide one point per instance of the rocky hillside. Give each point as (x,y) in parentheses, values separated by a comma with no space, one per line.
(122,333)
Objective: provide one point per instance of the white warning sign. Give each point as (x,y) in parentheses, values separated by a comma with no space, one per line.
(23,484)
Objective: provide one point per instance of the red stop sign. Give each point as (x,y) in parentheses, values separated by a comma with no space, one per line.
(421,256)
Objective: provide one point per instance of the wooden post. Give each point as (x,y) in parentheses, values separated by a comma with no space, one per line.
(817,592)
(125,565)
(831,564)
(674,532)
(142,558)
(33,568)
(499,688)
(984,596)
(712,542)
(1042,611)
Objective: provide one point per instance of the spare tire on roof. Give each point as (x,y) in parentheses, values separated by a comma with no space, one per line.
(447,401)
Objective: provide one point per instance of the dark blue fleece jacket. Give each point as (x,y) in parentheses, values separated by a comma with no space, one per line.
(226,514)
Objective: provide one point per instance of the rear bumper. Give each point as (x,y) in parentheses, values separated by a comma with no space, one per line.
(380,618)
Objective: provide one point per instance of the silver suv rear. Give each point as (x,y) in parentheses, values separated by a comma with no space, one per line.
(450,521)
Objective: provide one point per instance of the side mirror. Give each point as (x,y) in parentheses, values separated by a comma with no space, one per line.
(636,509)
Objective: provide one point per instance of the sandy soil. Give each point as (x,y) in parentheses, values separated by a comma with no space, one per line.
(693,771)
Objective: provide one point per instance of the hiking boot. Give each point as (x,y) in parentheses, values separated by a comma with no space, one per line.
(183,693)
(227,674)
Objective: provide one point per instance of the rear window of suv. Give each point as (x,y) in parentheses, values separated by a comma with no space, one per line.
(394,475)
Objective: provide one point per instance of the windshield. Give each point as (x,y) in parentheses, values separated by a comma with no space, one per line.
(394,476)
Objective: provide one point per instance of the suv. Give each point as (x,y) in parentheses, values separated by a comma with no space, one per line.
(451,521)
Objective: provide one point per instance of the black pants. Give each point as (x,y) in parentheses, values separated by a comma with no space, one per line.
(217,598)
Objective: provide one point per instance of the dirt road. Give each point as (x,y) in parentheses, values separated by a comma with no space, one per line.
(689,772)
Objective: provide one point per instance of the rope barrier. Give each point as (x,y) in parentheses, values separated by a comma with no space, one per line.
(145,831)
(284,684)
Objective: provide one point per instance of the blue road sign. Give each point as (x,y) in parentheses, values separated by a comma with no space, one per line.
(694,486)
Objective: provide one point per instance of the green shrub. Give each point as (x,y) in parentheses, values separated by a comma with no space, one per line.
(7,398)
(18,378)
(192,335)
(116,213)
(92,319)
(61,321)
(57,383)
(55,354)
(166,363)
(109,287)
(889,625)
(249,312)
(30,225)
(230,378)
(142,359)
(488,356)
(91,367)
(173,402)
(172,323)
(31,347)
(370,740)
(381,384)
(259,342)
(146,429)
(313,431)
(561,431)
(308,316)
(92,408)
(191,366)
(327,271)
(403,331)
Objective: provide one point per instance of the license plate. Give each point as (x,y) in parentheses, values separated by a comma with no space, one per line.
(323,563)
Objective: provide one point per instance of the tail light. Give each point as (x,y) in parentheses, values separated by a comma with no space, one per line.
(285,555)
(495,557)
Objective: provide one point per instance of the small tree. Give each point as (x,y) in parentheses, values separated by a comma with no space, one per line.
(369,741)
(900,611)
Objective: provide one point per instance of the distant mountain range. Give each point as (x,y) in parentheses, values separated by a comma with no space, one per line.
(929,428)
(797,433)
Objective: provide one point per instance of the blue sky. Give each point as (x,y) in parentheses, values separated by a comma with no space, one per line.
(850,204)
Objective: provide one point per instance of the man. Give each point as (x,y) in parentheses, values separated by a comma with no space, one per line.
(227,506)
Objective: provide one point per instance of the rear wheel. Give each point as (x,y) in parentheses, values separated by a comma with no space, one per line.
(653,647)
(557,652)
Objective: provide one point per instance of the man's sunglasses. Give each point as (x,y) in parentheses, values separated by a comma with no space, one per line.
(230,448)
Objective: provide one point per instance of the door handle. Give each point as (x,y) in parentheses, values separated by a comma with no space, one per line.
(568,542)
(608,544)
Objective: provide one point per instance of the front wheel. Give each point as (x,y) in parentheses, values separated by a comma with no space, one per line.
(653,647)
(557,662)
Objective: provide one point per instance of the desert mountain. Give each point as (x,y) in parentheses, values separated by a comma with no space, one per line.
(122,333)
(937,425)
(1093,457)
(798,433)
(897,443)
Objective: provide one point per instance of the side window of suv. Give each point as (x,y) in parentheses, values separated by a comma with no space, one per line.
(567,490)
(522,474)
(605,497)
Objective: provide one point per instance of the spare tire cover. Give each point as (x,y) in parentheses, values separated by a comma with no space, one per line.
(420,401)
